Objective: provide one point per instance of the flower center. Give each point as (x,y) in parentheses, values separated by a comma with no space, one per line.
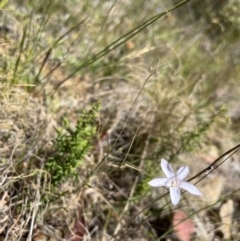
(174,183)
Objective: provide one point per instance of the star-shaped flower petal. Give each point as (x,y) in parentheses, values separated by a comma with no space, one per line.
(174,182)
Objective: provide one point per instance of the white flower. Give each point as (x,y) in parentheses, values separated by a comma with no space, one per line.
(174,182)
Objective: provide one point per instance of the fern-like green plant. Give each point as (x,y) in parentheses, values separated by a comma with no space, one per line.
(70,146)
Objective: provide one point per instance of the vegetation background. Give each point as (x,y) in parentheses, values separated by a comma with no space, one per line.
(93,94)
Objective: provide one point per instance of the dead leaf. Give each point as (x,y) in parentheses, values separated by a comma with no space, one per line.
(226,212)
(212,188)
(39,236)
(184,229)
(79,229)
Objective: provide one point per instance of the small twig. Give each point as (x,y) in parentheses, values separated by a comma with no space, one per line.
(133,190)
(133,139)
(211,166)
(36,204)
(125,208)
